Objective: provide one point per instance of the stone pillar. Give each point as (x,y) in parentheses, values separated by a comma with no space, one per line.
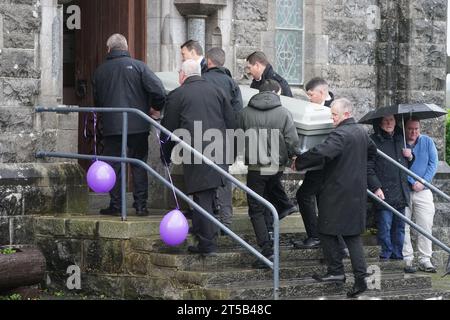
(196,13)
(196,28)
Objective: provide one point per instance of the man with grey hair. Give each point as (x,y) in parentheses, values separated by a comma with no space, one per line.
(197,102)
(221,77)
(117,42)
(343,197)
(123,82)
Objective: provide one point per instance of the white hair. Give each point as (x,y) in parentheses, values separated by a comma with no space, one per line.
(191,68)
(343,105)
(117,42)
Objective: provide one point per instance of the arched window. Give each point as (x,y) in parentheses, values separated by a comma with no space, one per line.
(289,40)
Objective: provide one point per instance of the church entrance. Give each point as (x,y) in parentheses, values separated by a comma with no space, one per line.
(85,49)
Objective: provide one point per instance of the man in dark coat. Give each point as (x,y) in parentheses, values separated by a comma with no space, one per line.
(261,70)
(343,196)
(198,106)
(221,77)
(390,184)
(123,82)
(318,92)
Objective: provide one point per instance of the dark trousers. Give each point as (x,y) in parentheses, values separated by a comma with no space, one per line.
(138,149)
(224,200)
(333,255)
(269,187)
(205,231)
(306,199)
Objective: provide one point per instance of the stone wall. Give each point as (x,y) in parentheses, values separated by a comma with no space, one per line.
(340,47)
(411,57)
(30,74)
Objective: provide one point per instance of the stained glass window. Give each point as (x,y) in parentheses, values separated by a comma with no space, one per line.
(289,38)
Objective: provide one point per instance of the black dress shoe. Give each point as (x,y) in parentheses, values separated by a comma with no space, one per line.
(110,211)
(309,243)
(142,212)
(357,289)
(259,264)
(330,278)
(196,250)
(287,212)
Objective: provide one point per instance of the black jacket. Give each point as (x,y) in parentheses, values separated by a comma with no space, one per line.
(221,77)
(198,100)
(264,111)
(386,176)
(269,73)
(343,195)
(330,101)
(203,66)
(123,82)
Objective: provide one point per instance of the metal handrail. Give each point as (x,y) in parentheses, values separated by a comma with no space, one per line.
(275,265)
(405,219)
(415,176)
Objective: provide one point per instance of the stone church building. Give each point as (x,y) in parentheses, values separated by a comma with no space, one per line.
(374,52)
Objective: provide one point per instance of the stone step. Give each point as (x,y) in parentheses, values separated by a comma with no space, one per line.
(112,227)
(99,201)
(261,290)
(288,270)
(423,294)
(152,244)
(185,261)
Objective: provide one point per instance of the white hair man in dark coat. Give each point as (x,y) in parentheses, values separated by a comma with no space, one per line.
(343,198)
(197,102)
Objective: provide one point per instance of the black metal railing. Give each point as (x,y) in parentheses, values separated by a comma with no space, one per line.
(405,219)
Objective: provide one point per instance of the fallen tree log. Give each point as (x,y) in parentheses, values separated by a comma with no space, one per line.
(25,267)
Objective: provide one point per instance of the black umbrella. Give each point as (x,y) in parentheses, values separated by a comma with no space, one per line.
(418,110)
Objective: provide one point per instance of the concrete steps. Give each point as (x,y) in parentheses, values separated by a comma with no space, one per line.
(302,288)
(243,258)
(132,262)
(288,270)
(230,276)
(424,294)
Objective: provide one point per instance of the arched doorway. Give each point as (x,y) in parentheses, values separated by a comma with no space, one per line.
(85,50)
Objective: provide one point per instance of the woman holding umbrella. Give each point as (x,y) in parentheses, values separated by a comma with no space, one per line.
(390,184)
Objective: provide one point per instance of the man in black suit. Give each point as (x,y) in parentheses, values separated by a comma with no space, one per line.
(221,77)
(198,106)
(343,197)
(192,49)
(261,70)
(318,92)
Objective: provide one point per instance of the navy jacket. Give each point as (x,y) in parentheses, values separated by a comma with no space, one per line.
(123,82)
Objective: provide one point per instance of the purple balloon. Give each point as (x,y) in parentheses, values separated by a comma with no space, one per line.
(101,177)
(174,228)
